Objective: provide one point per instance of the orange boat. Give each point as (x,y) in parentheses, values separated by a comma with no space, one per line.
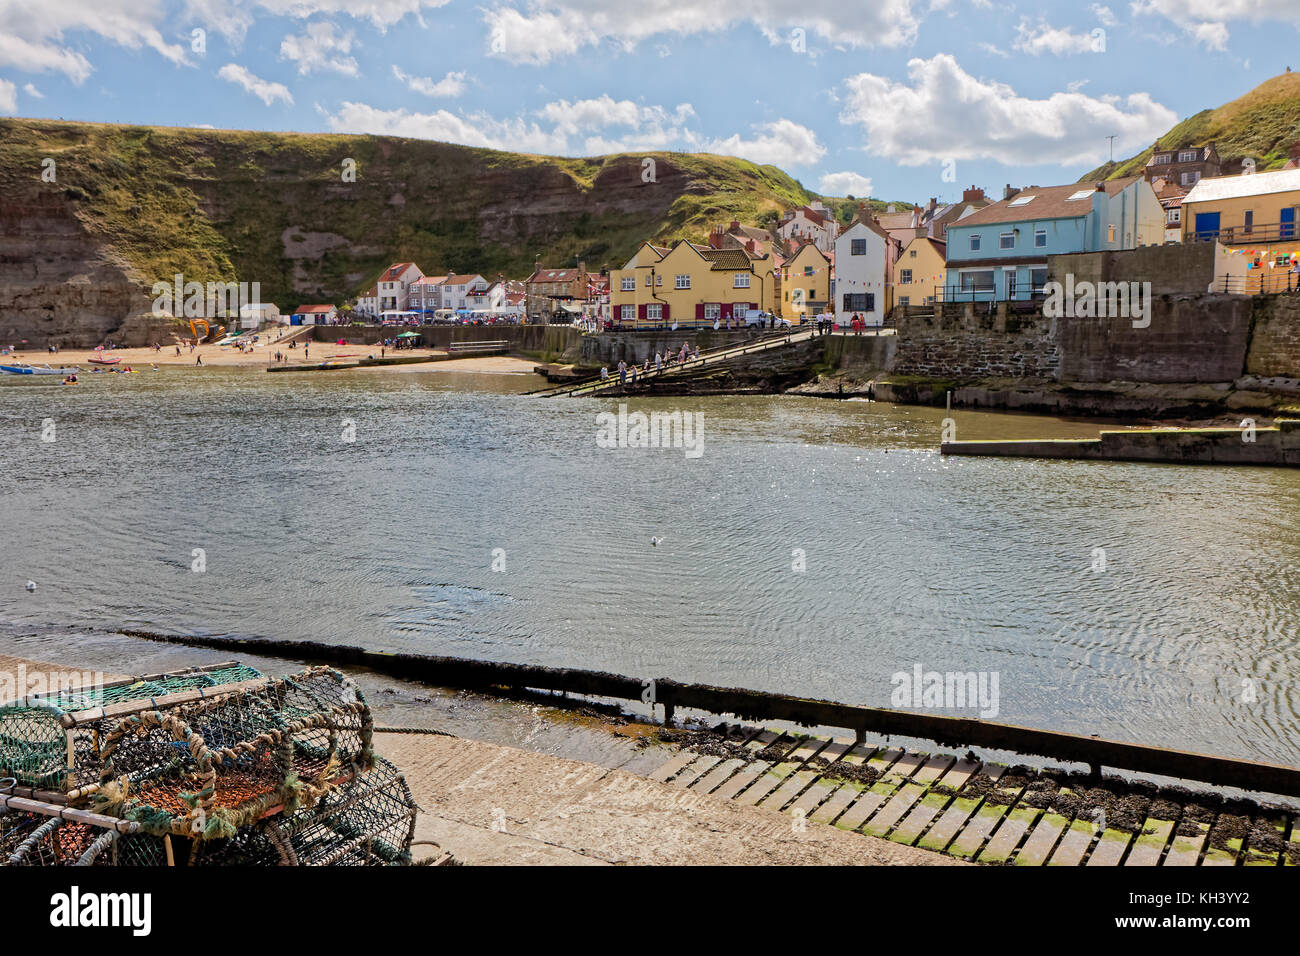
(103,360)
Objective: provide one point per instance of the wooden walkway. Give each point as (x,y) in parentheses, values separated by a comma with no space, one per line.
(986,813)
(706,360)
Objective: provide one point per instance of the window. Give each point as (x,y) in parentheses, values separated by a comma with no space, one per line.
(1040,238)
(712,310)
(905,277)
(807,271)
(981,281)
(859,302)
(912,254)
(1007,240)
(649,279)
(1189,156)
(857,247)
(740,280)
(682,282)
(1162,159)
(1250,221)
(904,301)
(627,312)
(1110,233)
(1080,195)
(1189,179)
(1175,216)
(654,312)
(975,243)
(1038,278)
(1021,201)
(629,284)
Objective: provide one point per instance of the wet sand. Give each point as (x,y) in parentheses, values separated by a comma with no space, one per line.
(143,359)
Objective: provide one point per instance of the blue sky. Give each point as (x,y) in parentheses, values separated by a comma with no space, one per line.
(899,99)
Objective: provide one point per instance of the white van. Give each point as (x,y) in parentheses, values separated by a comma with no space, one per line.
(764,320)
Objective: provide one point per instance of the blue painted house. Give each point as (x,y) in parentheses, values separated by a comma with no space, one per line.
(1000,252)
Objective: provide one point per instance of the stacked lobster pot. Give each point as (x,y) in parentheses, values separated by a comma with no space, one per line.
(218,765)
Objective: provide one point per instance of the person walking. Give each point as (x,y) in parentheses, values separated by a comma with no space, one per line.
(622,372)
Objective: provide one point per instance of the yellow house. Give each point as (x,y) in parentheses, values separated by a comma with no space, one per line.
(1254,216)
(688,284)
(805,284)
(919,271)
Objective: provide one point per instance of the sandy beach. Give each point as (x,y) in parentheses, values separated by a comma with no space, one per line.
(264,355)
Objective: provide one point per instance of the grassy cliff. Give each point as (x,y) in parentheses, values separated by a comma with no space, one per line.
(276,208)
(1261,125)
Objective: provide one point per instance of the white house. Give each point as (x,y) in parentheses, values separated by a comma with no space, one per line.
(486,298)
(813,224)
(457,289)
(314,315)
(862,264)
(394,285)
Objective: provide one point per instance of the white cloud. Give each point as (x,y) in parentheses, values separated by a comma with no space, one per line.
(558,29)
(649,127)
(1057,41)
(8,97)
(1105,16)
(846,184)
(473,130)
(781,143)
(264,90)
(453,84)
(321,48)
(31,90)
(1206,21)
(589,127)
(994,50)
(33,36)
(945,113)
(234,17)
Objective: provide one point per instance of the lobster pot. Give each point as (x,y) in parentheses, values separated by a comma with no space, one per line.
(370,822)
(34,833)
(49,743)
(206,767)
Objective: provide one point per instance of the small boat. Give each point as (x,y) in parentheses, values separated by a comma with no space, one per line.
(104,360)
(35,370)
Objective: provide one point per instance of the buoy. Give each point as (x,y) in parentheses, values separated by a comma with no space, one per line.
(31,585)
(655,541)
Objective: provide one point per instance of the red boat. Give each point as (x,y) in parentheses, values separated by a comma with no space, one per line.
(103,360)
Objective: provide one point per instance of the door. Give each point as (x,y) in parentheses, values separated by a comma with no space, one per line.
(1286,226)
(1207,225)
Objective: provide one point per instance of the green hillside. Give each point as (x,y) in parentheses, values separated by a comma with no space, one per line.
(275,207)
(1262,125)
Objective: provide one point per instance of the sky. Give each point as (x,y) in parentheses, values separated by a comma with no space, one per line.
(895,99)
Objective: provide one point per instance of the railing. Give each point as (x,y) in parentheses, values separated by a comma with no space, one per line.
(1258,282)
(1246,235)
(488,346)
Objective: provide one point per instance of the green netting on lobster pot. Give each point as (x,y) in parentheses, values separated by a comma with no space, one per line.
(33,746)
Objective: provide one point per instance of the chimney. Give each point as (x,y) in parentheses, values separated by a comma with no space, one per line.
(1008,192)
(974,194)
(933,202)
(537,266)
(582,268)
(1101,187)
(735,225)
(715,237)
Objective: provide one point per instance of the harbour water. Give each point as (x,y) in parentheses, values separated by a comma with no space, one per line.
(815,547)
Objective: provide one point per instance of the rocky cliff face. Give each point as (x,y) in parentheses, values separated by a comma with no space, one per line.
(58,282)
(314,218)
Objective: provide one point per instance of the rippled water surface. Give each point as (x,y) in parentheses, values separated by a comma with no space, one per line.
(1189,638)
